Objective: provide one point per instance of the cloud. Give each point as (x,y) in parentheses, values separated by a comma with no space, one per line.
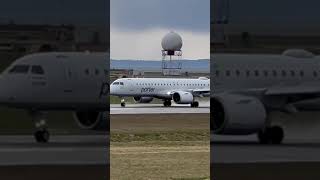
(138,26)
(146,44)
(270,11)
(139,15)
(56,11)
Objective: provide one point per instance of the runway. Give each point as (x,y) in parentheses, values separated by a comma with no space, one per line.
(61,150)
(204,108)
(244,158)
(246,149)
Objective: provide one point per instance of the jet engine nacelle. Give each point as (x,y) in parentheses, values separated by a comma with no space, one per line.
(143,99)
(237,114)
(181,97)
(92,120)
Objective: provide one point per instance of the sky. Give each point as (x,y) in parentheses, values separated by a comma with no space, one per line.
(80,12)
(274,11)
(137,27)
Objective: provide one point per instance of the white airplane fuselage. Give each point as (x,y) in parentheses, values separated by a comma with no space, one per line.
(156,87)
(254,74)
(43,82)
(69,81)
(248,87)
(162,88)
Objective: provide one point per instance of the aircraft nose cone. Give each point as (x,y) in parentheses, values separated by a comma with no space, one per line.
(112,90)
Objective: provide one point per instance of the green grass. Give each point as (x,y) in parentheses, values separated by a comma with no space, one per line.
(189,160)
(201,178)
(167,146)
(199,135)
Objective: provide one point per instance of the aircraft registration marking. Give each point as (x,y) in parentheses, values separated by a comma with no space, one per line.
(147,90)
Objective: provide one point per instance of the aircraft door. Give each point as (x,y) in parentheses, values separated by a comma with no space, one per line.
(69,77)
(129,85)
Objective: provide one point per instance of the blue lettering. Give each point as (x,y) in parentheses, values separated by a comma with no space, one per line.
(147,90)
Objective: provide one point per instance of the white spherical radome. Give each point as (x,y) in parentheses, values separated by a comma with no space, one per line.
(172,42)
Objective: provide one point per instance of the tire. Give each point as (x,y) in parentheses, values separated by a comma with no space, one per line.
(271,135)
(195,104)
(42,136)
(277,135)
(167,103)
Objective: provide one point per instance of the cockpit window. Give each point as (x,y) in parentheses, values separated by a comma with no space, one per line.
(121,83)
(19,69)
(37,70)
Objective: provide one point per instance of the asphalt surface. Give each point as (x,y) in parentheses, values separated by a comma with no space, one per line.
(61,150)
(242,157)
(204,108)
(246,149)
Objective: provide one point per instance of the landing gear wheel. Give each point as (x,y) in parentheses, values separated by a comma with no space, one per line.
(195,104)
(42,136)
(123,102)
(271,135)
(167,103)
(277,135)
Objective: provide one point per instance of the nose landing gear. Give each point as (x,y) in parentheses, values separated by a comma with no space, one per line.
(123,103)
(41,134)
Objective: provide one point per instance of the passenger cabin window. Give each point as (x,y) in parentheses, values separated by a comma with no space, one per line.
(97,71)
(37,70)
(19,69)
(86,71)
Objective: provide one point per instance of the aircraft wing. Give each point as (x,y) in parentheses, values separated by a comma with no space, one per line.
(195,92)
(305,88)
(201,92)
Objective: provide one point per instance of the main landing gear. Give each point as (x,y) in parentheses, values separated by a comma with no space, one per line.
(41,134)
(167,103)
(271,135)
(195,104)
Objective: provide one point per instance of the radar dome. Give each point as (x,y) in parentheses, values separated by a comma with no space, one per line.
(172,42)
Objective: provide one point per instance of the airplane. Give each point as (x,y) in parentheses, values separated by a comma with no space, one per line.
(248,87)
(72,81)
(143,90)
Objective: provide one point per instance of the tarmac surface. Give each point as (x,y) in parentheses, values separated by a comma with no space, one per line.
(242,157)
(61,150)
(203,108)
(246,149)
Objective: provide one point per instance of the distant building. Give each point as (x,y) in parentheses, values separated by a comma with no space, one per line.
(17,40)
(36,38)
(267,26)
(92,38)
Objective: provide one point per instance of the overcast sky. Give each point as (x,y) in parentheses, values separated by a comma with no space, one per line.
(84,12)
(271,11)
(138,26)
